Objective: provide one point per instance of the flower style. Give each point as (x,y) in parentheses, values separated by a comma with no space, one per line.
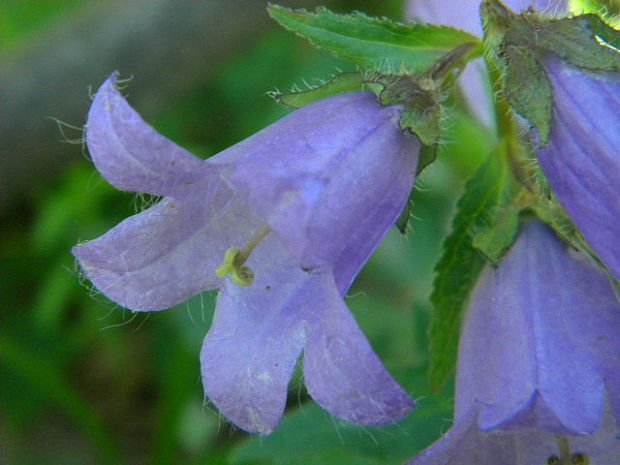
(280,223)
(538,377)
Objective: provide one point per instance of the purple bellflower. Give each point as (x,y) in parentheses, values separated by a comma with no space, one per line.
(538,376)
(280,223)
(581,160)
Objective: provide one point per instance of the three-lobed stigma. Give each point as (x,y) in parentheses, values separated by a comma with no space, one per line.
(241,275)
(235,258)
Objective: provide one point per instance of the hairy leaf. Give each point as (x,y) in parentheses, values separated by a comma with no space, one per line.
(494,241)
(376,43)
(339,84)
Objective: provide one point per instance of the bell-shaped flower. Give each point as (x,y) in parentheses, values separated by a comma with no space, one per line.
(582,159)
(538,376)
(465,443)
(280,223)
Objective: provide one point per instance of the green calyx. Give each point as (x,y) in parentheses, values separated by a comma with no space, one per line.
(421,97)
(517,45)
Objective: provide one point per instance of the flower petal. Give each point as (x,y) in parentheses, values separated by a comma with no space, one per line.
(540,340)
(463,15)
(169,252)
(464,443)
(343,373)
(340,161)
(129,153)
(257,335)
(582,159)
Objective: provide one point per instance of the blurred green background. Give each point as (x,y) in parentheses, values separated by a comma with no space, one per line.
(85,382)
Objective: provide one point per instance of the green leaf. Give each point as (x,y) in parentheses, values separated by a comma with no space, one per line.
(339,84)
(460,264)
(376,43)
(528,89)
(494,241)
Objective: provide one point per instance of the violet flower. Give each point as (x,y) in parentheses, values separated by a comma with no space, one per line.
(582,159)
(538,375)
(280,223)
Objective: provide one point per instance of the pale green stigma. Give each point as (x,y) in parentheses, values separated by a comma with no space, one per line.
(235,258)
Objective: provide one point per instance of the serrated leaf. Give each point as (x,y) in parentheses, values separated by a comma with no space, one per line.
(376,43)
(339,84)
(528,89)
(460,264)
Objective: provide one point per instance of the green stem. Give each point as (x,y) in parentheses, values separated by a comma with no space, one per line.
(509,131)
